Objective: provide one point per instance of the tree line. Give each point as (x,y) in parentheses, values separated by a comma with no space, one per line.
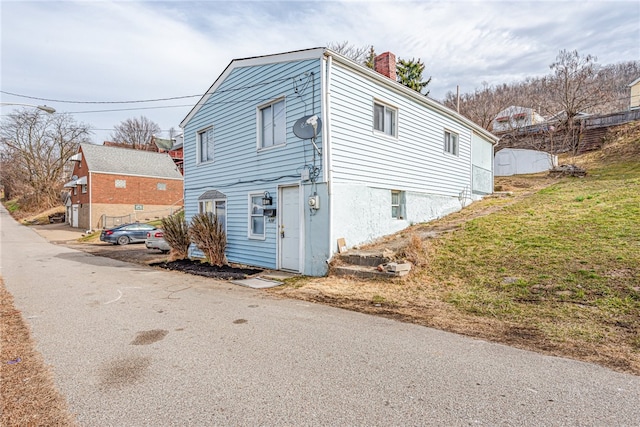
(576,84)
(35,148)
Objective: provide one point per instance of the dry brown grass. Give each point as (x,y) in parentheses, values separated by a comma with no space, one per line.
(550,265)
(29,397)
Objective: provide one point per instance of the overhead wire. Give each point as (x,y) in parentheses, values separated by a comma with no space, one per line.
(138,101)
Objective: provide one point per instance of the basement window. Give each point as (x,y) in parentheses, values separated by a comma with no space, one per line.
(397,204)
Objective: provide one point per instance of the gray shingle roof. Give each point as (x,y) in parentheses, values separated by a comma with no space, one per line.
(125,161)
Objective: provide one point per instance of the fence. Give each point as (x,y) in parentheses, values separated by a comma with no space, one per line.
(107,221)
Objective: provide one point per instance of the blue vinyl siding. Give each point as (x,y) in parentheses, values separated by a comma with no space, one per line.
(415,161)
(239,168)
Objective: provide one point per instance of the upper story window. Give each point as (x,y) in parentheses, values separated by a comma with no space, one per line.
(84,188)
(451,142)
(385,119)
(272,124)
(121,183)
(205,145)
(162,186)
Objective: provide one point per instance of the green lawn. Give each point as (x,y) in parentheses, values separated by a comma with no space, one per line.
(565,260)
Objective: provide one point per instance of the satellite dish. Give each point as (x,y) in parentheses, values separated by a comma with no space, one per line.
(307,127)
(74,177)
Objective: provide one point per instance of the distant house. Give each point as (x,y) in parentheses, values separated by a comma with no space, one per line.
(112,185)
(514,117)
(298,151)
(634,100)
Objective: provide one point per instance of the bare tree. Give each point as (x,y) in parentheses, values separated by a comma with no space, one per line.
(34,150)
(136,132)
(543,94)
(360,54)
(574,88)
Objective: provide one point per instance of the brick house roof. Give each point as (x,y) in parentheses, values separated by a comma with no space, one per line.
(124,161)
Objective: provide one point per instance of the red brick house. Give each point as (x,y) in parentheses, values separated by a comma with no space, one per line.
(112,185)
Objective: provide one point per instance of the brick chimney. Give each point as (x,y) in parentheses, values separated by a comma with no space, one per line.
(385,63)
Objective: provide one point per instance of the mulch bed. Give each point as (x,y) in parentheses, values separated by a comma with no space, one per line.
(226,272)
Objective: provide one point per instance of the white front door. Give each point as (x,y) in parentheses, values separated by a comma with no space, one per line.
(74,216)
(289,228)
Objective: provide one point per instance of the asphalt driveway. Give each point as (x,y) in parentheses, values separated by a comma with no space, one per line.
(131,345)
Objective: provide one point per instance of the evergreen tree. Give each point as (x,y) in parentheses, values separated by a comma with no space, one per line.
(409,73)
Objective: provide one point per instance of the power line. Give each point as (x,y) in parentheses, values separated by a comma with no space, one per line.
(148,100)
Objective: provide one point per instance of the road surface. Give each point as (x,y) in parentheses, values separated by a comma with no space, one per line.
(134,346)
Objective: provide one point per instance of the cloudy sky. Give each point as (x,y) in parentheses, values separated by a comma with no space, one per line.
(99,54)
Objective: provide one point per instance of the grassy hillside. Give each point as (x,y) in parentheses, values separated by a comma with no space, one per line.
(553,268)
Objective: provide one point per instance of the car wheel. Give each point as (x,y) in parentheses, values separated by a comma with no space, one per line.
(123,240)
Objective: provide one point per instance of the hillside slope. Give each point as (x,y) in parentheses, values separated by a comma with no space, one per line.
(553,267)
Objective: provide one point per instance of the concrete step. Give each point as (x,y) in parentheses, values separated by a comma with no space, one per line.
(365,272)
(364,259)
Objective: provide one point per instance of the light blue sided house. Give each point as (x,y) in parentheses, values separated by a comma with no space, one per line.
(297,150)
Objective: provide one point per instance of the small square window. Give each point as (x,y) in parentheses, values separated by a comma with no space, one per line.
(205,146)
(121,183)
(384,119)
(451,143)
(161,186)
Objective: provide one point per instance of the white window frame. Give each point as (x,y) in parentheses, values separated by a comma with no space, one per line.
(386,127)
(213,204)
(121,183)
(251,215)
(208,132)
(260,124)
(451,143)
(84,188)
(161,186)
(398,204)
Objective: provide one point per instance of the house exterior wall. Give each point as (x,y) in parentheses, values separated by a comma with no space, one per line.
(239,168)
(358,167)
(481,165)
(138,190)
(367,165)
(634,101)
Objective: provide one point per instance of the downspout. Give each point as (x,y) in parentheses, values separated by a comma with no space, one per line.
(90,202)
(326,105)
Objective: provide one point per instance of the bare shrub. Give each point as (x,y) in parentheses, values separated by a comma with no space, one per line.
(415,252)
(208,234)
(176,233)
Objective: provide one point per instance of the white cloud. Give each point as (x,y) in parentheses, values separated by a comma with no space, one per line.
(115,51)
